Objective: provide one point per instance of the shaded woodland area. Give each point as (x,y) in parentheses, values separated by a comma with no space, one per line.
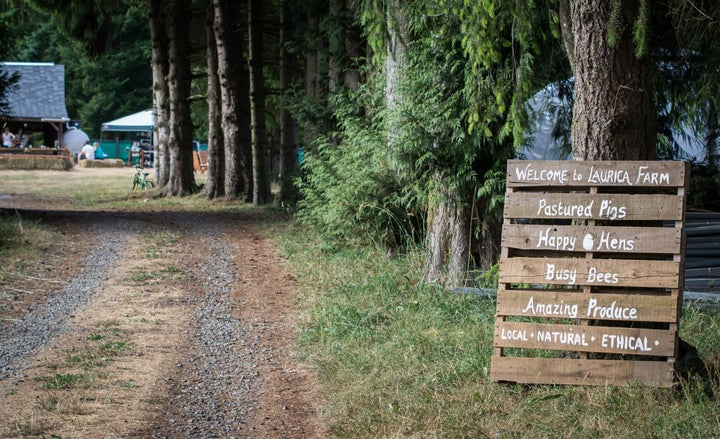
(406,111)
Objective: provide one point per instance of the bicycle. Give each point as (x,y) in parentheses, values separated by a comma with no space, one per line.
(141,179)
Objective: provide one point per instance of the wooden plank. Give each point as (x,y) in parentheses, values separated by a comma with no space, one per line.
(581,372)
(597,272)
(523,173)
(601,339)
(558,304)
(613,207)
(588,238)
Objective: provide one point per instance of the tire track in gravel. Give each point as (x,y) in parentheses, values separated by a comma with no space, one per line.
(239,377)
(216,385)
(234,371)
(32,332)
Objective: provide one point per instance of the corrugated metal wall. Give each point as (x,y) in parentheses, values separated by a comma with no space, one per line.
(702,256)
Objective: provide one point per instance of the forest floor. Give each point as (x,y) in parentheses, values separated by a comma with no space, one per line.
(187,329)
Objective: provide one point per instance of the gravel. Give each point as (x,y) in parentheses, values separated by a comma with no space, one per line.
(214,385)
(218,379)
(36,330)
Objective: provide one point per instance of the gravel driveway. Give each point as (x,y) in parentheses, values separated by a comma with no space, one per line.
(218,362)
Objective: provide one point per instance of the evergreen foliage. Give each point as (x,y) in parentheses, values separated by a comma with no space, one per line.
(99,87)
(350,192)
(7,81)
(468,70)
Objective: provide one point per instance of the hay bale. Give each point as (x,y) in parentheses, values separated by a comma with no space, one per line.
(35,162)
(107,163)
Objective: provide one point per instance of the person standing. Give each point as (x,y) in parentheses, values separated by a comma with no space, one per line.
(7,138)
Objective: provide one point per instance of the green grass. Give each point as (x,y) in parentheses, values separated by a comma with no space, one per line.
(61,381)
(401,360)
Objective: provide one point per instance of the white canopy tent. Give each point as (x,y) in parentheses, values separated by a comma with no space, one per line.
(141,121)
(139,126)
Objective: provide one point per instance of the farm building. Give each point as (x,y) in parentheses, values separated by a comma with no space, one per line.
(37,104)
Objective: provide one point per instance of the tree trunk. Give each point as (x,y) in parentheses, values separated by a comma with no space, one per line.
(448,216)
(712,134)
(354,48)
(228,39)
(614,115)
(215,182)
(161,105)
(394,61)
(313,71)
(288,153)
(395,51)
(181,180)
(261,173)
(447,240)
(336,46)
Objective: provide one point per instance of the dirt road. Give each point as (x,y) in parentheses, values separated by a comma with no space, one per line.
(154,325)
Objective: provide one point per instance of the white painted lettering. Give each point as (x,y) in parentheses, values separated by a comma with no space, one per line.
(548,240)
(607,242)
(625,342)
(560,209)
(562,337)
(610,312)
(564,275)
(654,178)
(544,175)
(594,276)
(561,309)
(607,210)
(609,176)
(513,334)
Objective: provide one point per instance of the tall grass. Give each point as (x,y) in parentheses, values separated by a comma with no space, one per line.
(22,242)
(397,359)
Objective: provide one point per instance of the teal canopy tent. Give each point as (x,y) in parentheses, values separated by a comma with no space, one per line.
(136,127)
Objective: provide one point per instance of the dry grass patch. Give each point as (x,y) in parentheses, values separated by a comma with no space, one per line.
(102,377)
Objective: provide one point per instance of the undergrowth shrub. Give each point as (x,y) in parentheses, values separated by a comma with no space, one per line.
(349,191)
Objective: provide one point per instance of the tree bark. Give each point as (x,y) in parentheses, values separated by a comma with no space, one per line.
(261,173)
(181,179)
(215,182)
(614,115)
(354,48)
(448,217)
(711,137)
(313,70)
(288,151)
(394,61)
(336,44)
(228,39)
(161,105)
(447,240)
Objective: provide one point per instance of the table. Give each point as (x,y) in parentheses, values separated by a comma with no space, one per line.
(141,158)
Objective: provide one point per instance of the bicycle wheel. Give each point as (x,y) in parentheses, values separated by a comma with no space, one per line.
(149,184)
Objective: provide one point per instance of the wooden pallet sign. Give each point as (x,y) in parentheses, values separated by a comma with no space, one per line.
(591,273)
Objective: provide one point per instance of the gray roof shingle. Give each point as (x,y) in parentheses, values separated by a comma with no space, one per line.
(40,93)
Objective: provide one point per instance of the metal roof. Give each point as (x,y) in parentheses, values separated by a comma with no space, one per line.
(40,94)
